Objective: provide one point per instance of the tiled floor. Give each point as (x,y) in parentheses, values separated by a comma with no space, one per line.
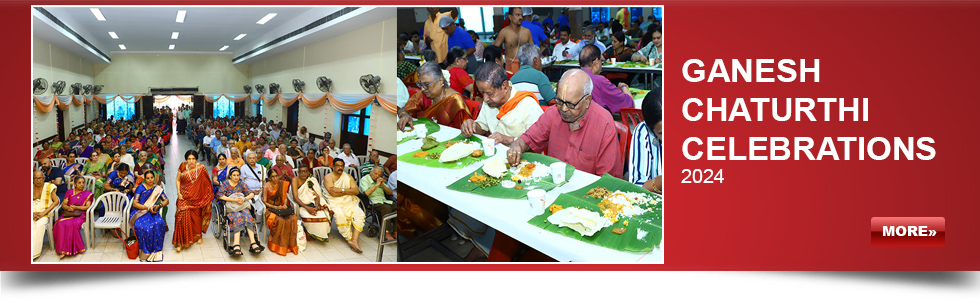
(107,248)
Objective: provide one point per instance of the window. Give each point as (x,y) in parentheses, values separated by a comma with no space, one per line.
(636,13)
(120,109)
(354,121)
(599,14)
(658,13)
(478,19)
(223,107)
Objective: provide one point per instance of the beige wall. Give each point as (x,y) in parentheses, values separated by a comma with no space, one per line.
(55,64)
(136,73)
(343,59)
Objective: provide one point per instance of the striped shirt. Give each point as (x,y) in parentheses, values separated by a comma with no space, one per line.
(646,158)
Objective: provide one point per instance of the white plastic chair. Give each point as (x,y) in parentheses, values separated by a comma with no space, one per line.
(58,162)
(354,172)
(81,161)
(52,217)
(90,183)
(361,159)
(116,213)
(320,172)
(296,172)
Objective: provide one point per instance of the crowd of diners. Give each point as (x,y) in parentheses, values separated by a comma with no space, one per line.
(522,45)
(268,184)
(573,123)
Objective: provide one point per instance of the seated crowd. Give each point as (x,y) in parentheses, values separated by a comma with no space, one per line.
(103,153)
(268,185)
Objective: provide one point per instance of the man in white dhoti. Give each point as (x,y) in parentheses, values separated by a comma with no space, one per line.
(342,195)
(313,210)
(44,199)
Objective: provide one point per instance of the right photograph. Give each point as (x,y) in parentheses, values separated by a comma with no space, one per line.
(530,134)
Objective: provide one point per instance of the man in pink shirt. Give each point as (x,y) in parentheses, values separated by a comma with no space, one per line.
(576,130)
(607,95)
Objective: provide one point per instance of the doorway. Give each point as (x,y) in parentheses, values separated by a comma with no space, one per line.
(61,123)
(355,128)
(292,117)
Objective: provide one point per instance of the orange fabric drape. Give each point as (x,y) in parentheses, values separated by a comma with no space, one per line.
(312,103)
(350,107)
(236,100)
(41,107)
(387,105)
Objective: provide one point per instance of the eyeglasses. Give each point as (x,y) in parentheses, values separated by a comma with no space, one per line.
(567,104)
(425,86)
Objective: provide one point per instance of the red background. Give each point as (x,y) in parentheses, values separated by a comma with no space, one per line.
(916,62)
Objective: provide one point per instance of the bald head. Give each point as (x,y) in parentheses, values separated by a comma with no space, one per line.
(574,95)
(575,82)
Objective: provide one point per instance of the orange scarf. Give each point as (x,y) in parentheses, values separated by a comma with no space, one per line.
(512,103)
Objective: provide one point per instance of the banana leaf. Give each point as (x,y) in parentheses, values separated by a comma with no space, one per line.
(459,164)
(638,93)
(431,126)
(498,191)
(650,222)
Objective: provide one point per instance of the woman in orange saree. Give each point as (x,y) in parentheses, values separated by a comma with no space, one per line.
(450,110)
(195,194)
(280,217)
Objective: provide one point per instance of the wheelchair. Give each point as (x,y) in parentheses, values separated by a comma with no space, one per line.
(372,217)
(221,226)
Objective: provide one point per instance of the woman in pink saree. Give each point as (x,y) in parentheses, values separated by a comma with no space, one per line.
(67,230)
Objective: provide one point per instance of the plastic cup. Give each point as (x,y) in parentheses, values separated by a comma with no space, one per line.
(535,199)
(613,61)
(651,61)
(489,147)
(558,172)
(420,130)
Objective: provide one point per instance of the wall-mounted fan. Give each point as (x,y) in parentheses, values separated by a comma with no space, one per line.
(370,83)
(324,84)
(260,88)
(274,88)
(58,87)
(87,89)
(40,85)
(248,89)
(76,88)
(299,85)
(97,89)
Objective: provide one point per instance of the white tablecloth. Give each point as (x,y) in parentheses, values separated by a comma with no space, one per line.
(508,215)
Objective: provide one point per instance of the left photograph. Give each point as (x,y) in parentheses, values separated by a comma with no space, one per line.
(213,134)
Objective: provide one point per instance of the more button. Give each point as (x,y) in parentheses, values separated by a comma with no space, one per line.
(908,231)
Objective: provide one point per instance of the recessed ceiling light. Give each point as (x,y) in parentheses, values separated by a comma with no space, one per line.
(171,46)
(266,18)
(98,14)
(239,37)
(223,48)
(113,35)
(174,35)
(180,16)
(121,46)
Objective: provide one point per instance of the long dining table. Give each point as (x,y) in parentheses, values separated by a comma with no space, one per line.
(510,216)
(648,73)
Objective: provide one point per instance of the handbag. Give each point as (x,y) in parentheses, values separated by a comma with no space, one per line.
(283,212)
(131,245)
(72,213)
(232,207)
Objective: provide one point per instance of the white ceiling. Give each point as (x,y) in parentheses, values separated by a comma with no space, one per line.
(205,29)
